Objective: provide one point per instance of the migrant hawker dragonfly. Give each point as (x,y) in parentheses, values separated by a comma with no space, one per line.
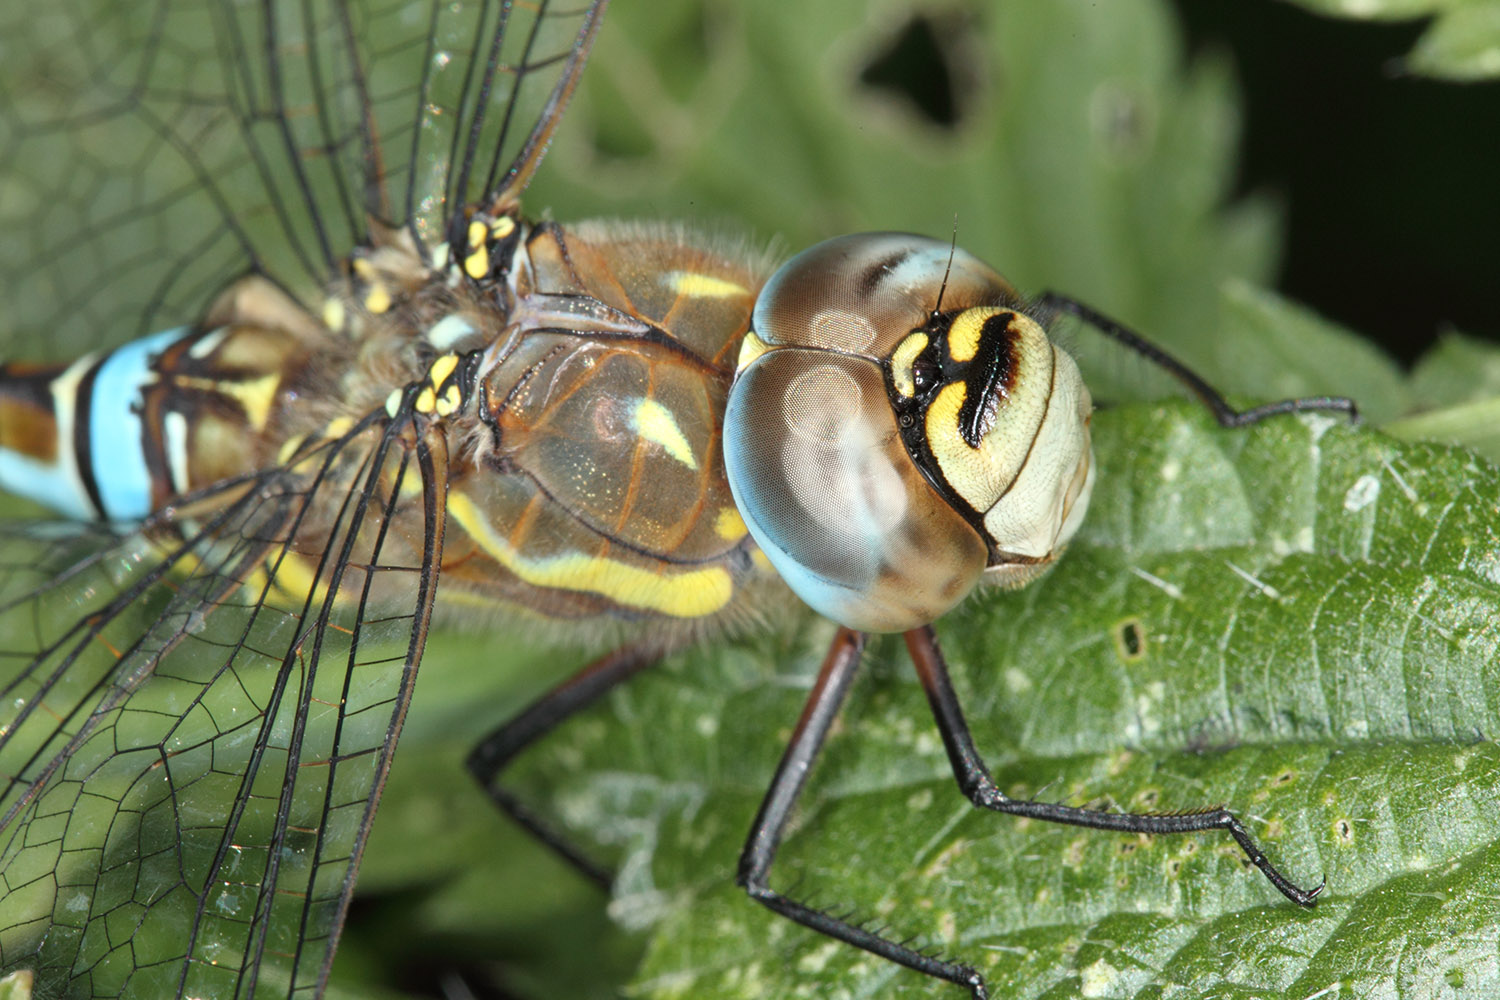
(383,390)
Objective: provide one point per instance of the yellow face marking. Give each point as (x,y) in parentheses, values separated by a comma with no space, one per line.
(689,594)
(729,525)
(255,396)
(703,286)
(333,314)
(751,348)
(655,423)
(982,474)
(902,359)
(942,421)
(963,335)
(477,261)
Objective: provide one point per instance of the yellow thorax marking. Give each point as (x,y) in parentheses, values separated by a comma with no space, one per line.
(902,360)
(333,313)
(656,423)
(729,525)
(337,428)
(751,348)
(428,400)
(703,286)
(690,593)
(255,395)
(477,260)
(449,401)
(440,369)
(293,578)
(503,227)
(377,296)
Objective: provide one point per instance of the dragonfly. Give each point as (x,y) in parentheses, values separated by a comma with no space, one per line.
(318,378)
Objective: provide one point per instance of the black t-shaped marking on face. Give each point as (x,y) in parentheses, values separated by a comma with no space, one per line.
(991,375)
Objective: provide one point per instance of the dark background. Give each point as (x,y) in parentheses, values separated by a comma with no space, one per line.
(1390,182)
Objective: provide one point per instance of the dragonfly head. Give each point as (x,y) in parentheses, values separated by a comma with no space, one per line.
(899,429)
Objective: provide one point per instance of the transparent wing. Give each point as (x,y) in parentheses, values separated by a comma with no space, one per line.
(196,719)
(196,722)
(150,151)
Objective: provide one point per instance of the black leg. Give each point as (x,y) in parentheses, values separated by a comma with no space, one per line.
(1226,415)
(765,834)
(975,781)
(578,692)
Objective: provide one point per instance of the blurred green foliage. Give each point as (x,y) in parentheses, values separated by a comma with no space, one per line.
(1461,42)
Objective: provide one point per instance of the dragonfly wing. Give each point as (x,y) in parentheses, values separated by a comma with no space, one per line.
(194,733)
(152,151)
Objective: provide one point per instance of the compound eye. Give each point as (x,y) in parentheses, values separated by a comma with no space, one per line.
(869,440)
(819,472)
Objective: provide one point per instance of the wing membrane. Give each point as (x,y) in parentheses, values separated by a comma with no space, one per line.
(196,718)
(151,151)
(190,759)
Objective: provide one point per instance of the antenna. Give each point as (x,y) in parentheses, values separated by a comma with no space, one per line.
(952,249)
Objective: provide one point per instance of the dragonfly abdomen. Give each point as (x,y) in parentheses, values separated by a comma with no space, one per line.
(117,435)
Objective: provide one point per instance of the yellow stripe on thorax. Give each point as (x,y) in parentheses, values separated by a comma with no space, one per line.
(690,593)
(657,424)
(703,286)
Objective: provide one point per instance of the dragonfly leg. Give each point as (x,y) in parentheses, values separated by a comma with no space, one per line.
(494,754)
(975,782)
(765,833)
(1226,415)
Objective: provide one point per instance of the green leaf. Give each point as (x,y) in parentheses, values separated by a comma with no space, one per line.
(1278,349)
(1456,390)
(1458,369)
(1320,609)
(1461,43)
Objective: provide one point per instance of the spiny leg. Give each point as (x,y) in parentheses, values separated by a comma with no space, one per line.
(791,774)
(1226,415)
(489,758)
(975,782)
